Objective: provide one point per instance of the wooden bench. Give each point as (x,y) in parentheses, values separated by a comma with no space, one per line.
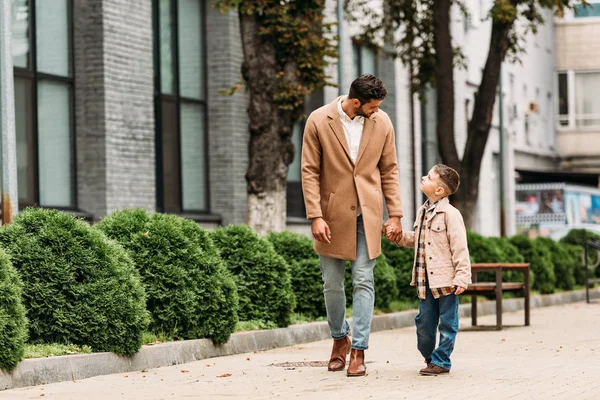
(498,287)
(589,281)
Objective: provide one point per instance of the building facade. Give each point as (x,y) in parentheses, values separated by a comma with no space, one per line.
(119,105)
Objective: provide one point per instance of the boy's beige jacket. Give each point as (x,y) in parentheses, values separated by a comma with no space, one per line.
(333,185)
(448,261)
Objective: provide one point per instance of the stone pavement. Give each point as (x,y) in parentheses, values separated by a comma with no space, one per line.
(558,356)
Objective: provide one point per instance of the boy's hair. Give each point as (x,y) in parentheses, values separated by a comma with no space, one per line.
(366,88)
(448,178)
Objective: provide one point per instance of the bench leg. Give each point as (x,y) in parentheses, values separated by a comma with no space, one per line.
(474,309)
(526,300)
(499,299)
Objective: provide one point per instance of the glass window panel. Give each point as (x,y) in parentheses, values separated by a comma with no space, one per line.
(25,141)
(166,47)
(587,102)
(170,158)
(191,57)
(52,35)
(294,168)
(355,61)
(193,157)
(54,144)
(593,10)
(368,61)
(563,100)
(20,33)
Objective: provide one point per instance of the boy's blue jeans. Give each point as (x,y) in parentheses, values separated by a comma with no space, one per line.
(363,298)
(442,312)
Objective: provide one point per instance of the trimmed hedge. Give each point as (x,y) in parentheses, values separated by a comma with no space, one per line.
(540,260)
(190,292)
(305,268)
(401,259)
(262,276)
(79,286)
(578,237)
(384,277)
(564,264)
(13,323)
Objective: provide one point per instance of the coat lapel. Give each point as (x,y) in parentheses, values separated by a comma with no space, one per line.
(366,137)
(338,129)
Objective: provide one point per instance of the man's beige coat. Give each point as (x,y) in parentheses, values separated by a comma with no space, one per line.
(333,185)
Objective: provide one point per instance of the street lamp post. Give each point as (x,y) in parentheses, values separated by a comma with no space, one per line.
(10,204)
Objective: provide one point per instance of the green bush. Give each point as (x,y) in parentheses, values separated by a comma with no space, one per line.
(540,260)
(384,276)
(578,237)
(484,250)
(262,276)
(79,286)
(305,268)
(13,323)
(576,256)
(401,259)
(563,261)
(190,292)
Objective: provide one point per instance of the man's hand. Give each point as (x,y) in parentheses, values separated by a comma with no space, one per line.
(459,290)
(320,230)
(392,229)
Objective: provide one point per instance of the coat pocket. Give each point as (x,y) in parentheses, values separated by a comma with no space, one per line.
(329,206)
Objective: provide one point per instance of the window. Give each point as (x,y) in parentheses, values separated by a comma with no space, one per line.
(593,10)
(578,103)
(364,60)
(43,73)
(181,120)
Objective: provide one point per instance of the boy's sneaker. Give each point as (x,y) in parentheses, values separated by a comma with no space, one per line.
(433,370)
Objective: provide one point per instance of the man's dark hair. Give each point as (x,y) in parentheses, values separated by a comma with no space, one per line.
(448,177)
(366,88)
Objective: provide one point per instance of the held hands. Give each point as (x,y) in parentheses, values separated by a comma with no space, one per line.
(459,290)
(393,229)
(320,230)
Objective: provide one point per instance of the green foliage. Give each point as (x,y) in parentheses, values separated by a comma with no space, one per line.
(576,257)
(262,276)
(53,349)
(190,292)
(384,276)
(579,237)
(302,42)
(305,268)
(13,323)
(564,262)
(540,260)
(401,259)
(79,286)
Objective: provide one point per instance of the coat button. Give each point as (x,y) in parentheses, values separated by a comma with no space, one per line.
(353,208)
(429,243)
(431,273)
(430,258)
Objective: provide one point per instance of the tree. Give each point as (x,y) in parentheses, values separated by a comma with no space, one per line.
(286,44)
(422,37)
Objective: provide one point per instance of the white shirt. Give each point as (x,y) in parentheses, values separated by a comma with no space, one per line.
(353,129)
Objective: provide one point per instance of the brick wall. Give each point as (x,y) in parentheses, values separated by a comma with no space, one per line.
(114,105)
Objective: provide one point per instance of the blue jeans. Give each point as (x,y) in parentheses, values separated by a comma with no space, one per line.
(434,313)
(363,298)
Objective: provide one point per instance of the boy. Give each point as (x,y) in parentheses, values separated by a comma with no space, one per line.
(441,270)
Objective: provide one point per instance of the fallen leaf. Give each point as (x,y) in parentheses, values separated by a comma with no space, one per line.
(223,376)
(503,340)
(387,362)
(146,234)
(247,358)
(208,365)
(126,376)
(184,371)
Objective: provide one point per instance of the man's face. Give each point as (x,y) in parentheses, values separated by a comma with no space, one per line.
(367,109)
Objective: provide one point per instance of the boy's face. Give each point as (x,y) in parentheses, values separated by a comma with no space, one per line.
(430,185)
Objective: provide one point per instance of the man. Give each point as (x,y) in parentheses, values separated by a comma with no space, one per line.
(348,161)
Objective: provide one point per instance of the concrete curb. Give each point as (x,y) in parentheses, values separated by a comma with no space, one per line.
(39,371)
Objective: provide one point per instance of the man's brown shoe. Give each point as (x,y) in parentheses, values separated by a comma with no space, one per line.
(427,368)
(341,347)
(433,370)
(356,366)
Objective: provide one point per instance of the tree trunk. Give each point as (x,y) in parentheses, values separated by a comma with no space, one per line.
(270,148)
(444,79)
(479,126)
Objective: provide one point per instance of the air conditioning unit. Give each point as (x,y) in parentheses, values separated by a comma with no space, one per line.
(533,107)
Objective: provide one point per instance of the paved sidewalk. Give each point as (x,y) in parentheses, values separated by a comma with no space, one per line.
(558,356)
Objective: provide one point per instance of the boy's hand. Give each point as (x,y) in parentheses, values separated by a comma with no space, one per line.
(393,229)
(459,290)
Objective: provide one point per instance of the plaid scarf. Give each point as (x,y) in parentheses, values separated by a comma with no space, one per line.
(427,214)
